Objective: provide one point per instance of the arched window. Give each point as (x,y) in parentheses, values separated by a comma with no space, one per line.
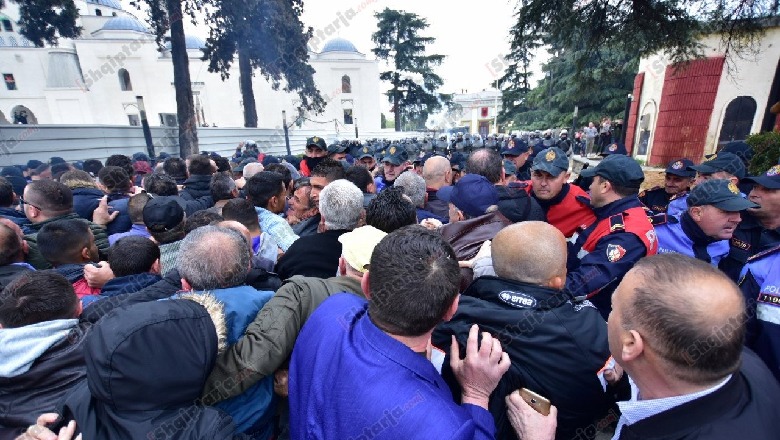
(98,12)
(346,84)
(124,80)
(738,119)
(23,115)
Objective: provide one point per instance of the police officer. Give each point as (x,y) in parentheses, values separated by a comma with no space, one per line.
(566,206)
(726,166)
(394,162)
(677,182)
(547,139)
(760,227)
(366,158)
(458,166)
(338,151)
(704,230)
(621,235)
(518,152)
(316,150)
(564,143)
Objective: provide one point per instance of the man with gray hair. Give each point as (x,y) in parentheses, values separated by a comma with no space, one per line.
(213,264)
(526,307)
(341,210)
(414,187)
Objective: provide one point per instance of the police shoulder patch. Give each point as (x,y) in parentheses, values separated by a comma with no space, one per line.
(517,299)
(739,244)
(615,252)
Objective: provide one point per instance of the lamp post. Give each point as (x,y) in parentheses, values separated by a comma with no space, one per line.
(286,134)
(145,126)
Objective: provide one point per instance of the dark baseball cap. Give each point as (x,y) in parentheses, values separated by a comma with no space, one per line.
(56,159)
(337,148)
(720,193)
(515,147)
(366,152)
(552,160)
(141,156)
(33,164)
(681,167)
(619,169)
(473,195)
(163,213)
(509,167)
(317,142)
(770,179)
(614,148)
(741,149)
(395,155)
(728,162)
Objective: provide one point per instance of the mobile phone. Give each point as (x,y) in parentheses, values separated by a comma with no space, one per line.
(537,402)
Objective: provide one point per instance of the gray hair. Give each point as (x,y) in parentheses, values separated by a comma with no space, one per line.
(341,205)
(253,168)
(413,186)
(213,257)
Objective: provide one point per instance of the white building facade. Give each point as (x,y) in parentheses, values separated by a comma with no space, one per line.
(94,80)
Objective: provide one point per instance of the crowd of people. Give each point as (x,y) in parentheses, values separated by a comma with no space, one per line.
(378,291)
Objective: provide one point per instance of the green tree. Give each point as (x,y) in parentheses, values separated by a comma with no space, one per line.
(398,37)
(267,35)
(165,15)
(45,21)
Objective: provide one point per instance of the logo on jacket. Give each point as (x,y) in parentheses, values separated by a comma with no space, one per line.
(650,236)
(615,252)
(517,299)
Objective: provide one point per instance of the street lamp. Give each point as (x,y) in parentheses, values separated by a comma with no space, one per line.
(145,126)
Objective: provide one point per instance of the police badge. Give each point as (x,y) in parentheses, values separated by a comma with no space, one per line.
(615,252)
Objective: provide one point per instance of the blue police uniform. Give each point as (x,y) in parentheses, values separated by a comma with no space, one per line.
(677,205)
(760,283)
(683,236)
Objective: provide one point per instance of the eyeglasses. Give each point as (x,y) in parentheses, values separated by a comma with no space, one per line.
(24,202)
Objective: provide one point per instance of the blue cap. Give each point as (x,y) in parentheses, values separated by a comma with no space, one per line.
(681,167)
(395,155)
(515,147)
(728,162)
(769,180)
(337,148)
(473,195)
(140,156)
(614,148)
(33,164)
(618,169)
(366,151)
(552,160)
(720,193)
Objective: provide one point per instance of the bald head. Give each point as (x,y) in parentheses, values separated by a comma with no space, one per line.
(435,171)
(530,252)
(690,313)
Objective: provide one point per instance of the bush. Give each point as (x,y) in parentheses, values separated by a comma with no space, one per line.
(767,151)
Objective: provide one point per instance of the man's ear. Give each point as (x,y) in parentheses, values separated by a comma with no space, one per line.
(452,309)
(448,177)
(364,285)
(156,267)
(695,213)
(185,285)
(632,345)
(734,180)
(371,188)
(342,266)
(557,282)
(86,255)
(79,309)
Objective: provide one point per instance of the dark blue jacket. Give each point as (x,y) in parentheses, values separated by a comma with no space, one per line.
(17,217)
(85,201)
(121,285)
(122,222)
(749,238)
(196,187)
(760,283)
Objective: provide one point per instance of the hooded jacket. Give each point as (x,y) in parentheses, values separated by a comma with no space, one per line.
(39,364)
(146,365)
(195,187)
(516,205)
(85,201)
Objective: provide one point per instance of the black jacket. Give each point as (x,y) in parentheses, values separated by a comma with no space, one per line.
(146,365)
(436,205)
(10,272)
(749,238)
(745,407)
(307,227)
(516,205)
(15,216)
(25,397)
(556,349)
(312,256)
(196,187)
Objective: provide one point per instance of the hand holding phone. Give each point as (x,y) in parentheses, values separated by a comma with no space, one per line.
(537,402)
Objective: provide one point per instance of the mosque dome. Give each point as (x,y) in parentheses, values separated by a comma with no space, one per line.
(339,45)
(124,23)
(191,41)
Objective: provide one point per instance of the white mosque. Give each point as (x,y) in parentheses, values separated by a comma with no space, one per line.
(94,80)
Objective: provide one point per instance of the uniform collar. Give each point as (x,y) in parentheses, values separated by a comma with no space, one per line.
(617,206)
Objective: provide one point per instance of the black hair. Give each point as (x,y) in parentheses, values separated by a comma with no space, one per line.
(242,211)
(200,165)
(50,196)
(115,179)
(413,278)
(6,193)
(221,186)
(42,168)
(329,169)
(281,169)
(121,161)
(175,167)
(201,218)
(92,166)
(223,164)
(132,255)
(58,168)
(390,211)
(37,296)
(360,176)
(61,242)
(161,185)
(264,185)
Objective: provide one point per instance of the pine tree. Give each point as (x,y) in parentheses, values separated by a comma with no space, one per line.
(267,35)
(398,38)
(46,21)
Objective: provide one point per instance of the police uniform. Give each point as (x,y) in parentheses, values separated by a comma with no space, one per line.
(760,283)
(657,199)
(570,209)
(396,156)
(751,237)
(603,253)
(516,147)
(683,235)
(308,163)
